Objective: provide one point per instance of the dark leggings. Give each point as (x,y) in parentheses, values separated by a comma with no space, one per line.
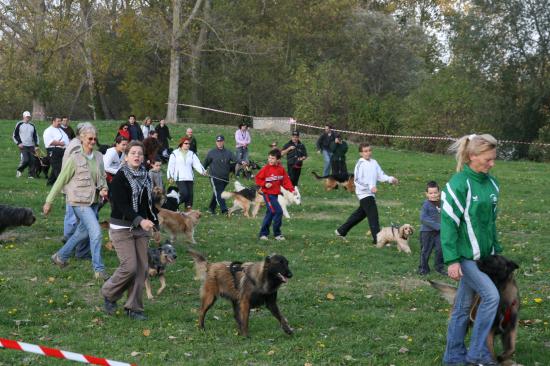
(186,192)
(367,208)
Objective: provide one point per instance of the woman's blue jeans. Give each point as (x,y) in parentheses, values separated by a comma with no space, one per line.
(473,281)
(88,226)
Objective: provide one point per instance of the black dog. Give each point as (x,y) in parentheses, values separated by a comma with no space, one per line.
(247,285)
(158,259)
(172,200)
(41,163)
(246,169)
(15,216)
(501,271)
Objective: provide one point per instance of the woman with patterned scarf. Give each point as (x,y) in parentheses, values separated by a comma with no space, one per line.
(133,218)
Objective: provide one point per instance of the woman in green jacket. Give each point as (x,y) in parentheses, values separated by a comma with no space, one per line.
(468,233)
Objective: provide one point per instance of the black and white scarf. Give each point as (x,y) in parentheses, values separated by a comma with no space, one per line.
(138,179)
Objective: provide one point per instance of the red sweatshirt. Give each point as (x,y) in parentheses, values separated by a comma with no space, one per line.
(277,176)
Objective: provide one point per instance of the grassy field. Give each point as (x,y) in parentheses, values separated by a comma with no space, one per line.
(349,302)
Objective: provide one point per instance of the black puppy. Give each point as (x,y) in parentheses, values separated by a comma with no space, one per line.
(15,216)
(158,259)
(172,201)
(41,163)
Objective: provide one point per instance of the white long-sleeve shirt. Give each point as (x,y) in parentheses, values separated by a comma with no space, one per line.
(52,134)
(112,161)
(180,167)
(242,138)
(366,174)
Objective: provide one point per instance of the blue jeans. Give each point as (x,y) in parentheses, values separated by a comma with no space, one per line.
(70,222)
(88,226)
(326,162)
(242,154)
(273,213)
(474,281)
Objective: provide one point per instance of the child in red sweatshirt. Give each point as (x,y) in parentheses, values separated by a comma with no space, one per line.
(270,178)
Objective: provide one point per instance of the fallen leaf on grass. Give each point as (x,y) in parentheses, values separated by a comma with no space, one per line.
(146,332)
(271,353)
(330,296)
(51,279)
(134,353)
(172,337)
(349,358)
(308,364)
(34,279)
(403,350)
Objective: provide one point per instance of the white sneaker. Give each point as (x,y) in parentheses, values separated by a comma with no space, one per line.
(263,237)
(18,174)
(340,235)
(280,238)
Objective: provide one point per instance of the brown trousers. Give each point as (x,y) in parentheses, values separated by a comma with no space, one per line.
(131,249)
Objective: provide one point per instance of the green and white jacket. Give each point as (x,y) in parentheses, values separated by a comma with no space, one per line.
(469,211)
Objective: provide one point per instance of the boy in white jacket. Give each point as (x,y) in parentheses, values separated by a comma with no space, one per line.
(180,169)
(366,174)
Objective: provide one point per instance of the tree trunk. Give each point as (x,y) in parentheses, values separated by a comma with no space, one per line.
(196,50)
(86,19)
(38,110)
(177,31)
(173,88)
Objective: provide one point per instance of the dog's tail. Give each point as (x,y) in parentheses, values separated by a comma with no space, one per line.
(238,186)
(318,176)
(448,292)
(226,195)
(201,264)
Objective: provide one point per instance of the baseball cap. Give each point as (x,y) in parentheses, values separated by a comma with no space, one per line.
(295,133)
(220,138)
(26,114)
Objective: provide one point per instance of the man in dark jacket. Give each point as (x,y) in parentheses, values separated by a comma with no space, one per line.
(339,148)
(295,153)
(134,129)
(219,162)
(323,146)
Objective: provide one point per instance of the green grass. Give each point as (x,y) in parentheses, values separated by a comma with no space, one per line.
(380,305)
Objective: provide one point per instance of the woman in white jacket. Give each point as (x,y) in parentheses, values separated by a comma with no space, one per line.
(180,170)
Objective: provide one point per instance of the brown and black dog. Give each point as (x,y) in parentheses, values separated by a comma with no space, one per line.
(247,285)
(501,271)
(158,258)
(333,182)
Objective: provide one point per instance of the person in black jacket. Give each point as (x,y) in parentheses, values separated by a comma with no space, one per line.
(323,146)
(133,218)
(134,129)
(163,136)
(219,162)
(295,153)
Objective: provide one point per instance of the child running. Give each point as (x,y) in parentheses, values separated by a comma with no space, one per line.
(270,178)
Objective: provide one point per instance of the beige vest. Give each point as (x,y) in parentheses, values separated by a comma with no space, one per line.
(81,190)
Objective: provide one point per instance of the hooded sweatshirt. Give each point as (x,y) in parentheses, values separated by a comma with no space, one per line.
(277,176)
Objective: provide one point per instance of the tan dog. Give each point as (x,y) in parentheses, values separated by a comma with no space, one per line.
(179,223)
(398,235)
(331,182)
(247,285)
(158,259)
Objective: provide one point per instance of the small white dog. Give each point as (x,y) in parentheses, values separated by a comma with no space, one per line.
(398,235)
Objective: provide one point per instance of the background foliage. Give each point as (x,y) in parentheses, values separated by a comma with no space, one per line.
(441,67)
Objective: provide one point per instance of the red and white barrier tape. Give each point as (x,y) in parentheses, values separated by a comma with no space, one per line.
(52,352)
(410,137)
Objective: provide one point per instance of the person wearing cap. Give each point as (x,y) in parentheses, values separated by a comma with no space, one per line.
(55,141)
(180,170)
(338,149)
(219,162)
(26,139)
(323,146)
(296,153)
(242,140)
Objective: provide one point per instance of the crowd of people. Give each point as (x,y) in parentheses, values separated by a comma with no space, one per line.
(458,223)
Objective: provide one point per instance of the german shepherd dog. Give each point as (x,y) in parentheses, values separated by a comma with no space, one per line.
(247,285)
(158,259)
(333,182)
(243,197)
(501,271)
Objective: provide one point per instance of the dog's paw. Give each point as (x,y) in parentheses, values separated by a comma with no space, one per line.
(150,297)
(288,330)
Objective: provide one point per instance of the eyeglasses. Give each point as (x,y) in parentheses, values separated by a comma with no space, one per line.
(186,143)
(92,139)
